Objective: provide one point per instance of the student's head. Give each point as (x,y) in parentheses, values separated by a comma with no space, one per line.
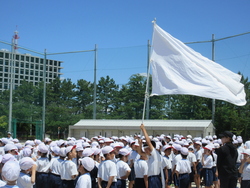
(62,153)
(42,150)
(176,148)
(10,148)
(246,154)
(184,152)
(167,149)
(26,163)
(10,171)
(108,152)
(71,152)
(86,165)
(208,150)
(226,137)
(123,154)
(197,145)
(147,149)
(55,150)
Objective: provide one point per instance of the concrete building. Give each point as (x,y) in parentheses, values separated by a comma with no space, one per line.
(108,128)
(26,67)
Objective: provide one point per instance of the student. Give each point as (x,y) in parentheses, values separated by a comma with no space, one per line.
(55,168)
(42,170)
(167,165)
(183,169)
(245,169)
(176,157)
(68,169)
(154,162)
(85,166)
(198,155)
(123,169)
(107,169)
(192,158)
(10,174)
(27,166)
(207,163)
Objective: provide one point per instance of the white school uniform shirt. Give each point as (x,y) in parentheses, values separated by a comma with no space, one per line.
(68,169)
(198,155)
(84,181)
(122,168)
(215,159)
(208,161)
(175,160)
(106,169)
(24,181)
(246,172)
(154,163)
(141,168)
(183,166)
(192,158)
(56,166)
(2,150)
(166,162)
(133,156)
(2,183)
(43,164)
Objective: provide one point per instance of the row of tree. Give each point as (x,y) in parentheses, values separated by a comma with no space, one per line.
(67,103)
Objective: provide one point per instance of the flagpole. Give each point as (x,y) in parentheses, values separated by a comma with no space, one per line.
(213,100)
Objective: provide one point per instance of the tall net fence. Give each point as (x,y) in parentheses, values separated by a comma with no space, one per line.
(66,102)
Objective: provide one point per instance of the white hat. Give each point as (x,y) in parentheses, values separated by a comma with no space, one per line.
(166,147)
(62,152)
(124,152)
(9,147)
(85,144)
(5,140)
(55,149)
(8,157)
(108,140)
(246,152)
(26,163)
(60,143)
(116,145)
(69,149)
(87,152)
(177,147)
(198,142)
(216,145)
(19,145)
(79,147)
(26,152)
(11,170)
(208,147)
(184,151)
(96,151)
(107,149)
(42,148)
(88,163)
(71,143)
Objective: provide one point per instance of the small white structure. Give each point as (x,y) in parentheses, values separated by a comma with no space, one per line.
(90,128)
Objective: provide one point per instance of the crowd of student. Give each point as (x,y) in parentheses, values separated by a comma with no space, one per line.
(128,161)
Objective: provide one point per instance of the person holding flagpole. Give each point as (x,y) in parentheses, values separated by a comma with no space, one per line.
(154,161)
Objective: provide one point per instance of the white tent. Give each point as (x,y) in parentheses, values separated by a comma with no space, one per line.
(90,128)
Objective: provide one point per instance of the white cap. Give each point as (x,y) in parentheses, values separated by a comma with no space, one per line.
(124,152)
(166,147)
(246,152)
(107,149)
(208,147)
(198,142)
(26,163)
(184,151)
(8,157)
(42,148)
(85,144)
(62,152)
(88,163)
(69,148)
(87,152)
(26,152)
(11,170)
(9,147)
(177,147)
(96,151)
(55,149)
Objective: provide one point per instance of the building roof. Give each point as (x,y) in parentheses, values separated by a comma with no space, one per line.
(147,123)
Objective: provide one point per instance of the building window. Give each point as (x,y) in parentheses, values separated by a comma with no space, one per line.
(1,54)
(50,62)
(27,65)
(37,60)
(32,59)
(1,68)
(5,86)
(21,71)
(31,78)
(41,67)
(1,62)
(31,72)
(16,70)
(17,57)
(32,66)
(21,76)
(17,64)
(41,73)
(37,67)
(6,62)
(26,77)
(21,64)
(7,55)
(22,57)
(36,73)
(41,61)
(16,76)
(6,75)
(6,69)
(16,81)
(26,71)
(27,58)
(6,80)
(36,78)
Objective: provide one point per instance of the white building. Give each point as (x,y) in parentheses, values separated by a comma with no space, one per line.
(26,67)
(108,128)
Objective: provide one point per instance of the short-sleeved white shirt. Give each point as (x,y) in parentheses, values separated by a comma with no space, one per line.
(166,162)
(208,161)
(68,169)
(246,172)
(198,155)
(154,163)
(84,181)
(192,158)
(133,156)
(56,166)
(175,160)
(122,168)
(141,168)
(183,166)
(106,169)
(24,181)
(43,164)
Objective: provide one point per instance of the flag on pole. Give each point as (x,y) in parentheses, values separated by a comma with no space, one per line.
(178,69)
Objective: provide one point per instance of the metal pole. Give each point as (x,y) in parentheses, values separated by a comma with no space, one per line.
(11,84)
(213,100)
(44,93)
(147,107)
(94,102)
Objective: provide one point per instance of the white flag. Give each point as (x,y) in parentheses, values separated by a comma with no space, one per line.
(178,69)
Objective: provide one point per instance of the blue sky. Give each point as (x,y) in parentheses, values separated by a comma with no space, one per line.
(121,30)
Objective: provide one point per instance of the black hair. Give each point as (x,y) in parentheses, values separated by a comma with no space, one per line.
(153,143)
(183,156)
